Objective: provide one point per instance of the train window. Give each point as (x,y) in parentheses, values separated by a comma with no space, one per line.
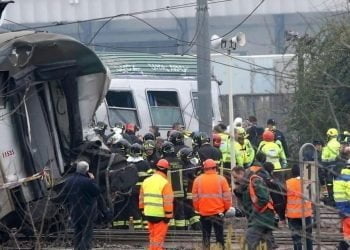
(121,107)
(165,108)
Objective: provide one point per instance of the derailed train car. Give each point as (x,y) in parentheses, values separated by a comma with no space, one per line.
(51,86)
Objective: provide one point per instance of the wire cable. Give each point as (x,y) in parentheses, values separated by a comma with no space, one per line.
(243,21)
(166,8)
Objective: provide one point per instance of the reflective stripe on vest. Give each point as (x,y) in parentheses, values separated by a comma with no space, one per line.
(296,207)
(255,199)
(152,195)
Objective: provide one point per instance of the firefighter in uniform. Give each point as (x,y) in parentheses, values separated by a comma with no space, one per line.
(274,153)
(121,149)
(151,155)
(211,198)
(341,187)
(244,150)
(295,213)
(156,203)
(205,151)
(190,162)
(329,157)
(177,138)
(143,171)
(175,175)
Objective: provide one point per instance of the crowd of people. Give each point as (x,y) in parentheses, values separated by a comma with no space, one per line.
(186,182)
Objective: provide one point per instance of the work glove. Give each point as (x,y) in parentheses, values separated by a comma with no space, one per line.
(239,213)
(233,212)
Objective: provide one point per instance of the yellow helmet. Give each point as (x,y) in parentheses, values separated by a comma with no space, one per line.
(240,132)
(332,132)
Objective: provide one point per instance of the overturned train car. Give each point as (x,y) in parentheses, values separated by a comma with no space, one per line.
(51,86)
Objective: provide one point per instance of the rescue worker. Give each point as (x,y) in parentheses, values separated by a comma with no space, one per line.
(225,149)
(342,201)
(271,125)
(274,154)
(143,171)
(154,130)
(329,157)
(178,127)
(81,193)
(295,211)
(244,151)
(130,130)
(151,154)
(254,132)
(149,136)
(216,141)
(254,197)
(121,149)
(177,138)
(211,198)
(205,150)
(156,203)
(189,162)
(175,176)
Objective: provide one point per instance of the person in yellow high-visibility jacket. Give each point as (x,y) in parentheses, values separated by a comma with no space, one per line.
(224,148)
(330,155)
(274,153)
(331,151)
(244,151)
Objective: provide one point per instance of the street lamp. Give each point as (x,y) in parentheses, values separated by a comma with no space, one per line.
(230,45)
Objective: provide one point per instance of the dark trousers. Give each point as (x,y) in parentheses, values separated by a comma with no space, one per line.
(179,214)
(255,235)
(217,223)
(83,230)
(296,226)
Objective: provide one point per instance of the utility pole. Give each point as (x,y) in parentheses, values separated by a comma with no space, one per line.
(203,69)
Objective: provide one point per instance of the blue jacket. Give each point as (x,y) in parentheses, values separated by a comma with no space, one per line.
(81,193)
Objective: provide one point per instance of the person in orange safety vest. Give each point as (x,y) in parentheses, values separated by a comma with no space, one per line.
(297,209)
(211,199)
(156,203)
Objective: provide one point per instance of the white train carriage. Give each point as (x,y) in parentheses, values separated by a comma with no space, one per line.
(153,90)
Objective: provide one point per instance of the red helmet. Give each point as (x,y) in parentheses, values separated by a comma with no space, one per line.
(130,127)
(216,140)
(210,163)
(268,136)
(162,163)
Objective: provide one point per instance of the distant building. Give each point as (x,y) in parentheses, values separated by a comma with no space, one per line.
(264,29)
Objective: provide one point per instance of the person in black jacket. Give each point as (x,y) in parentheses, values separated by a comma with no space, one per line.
(177,138)
(143,171)
(81,193)
(205,151)
(254,132)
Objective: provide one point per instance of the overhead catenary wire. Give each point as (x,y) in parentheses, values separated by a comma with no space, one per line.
(165,8)
(241,22)
(281,74)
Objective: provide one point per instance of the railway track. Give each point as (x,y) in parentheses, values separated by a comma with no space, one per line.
(187,239)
